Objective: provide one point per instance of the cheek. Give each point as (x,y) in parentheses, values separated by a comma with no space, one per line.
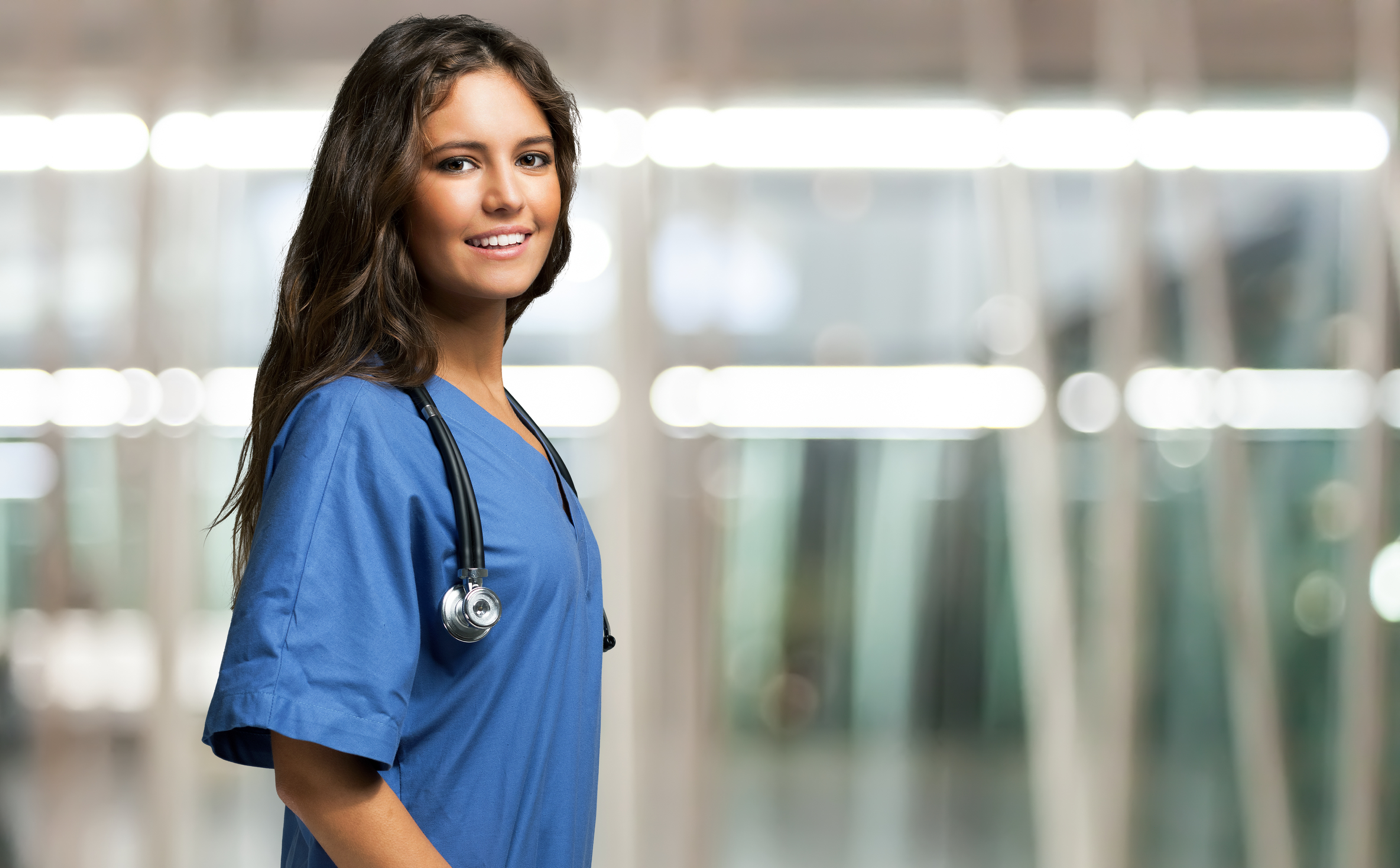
(433,215)
(546,201)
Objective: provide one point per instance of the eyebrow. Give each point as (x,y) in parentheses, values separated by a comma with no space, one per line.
(481,146)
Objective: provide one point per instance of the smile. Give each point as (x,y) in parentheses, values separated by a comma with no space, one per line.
(510,239)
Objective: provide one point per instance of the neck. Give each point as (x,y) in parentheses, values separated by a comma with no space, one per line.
(470,342)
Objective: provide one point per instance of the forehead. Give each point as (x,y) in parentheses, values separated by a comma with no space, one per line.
(487,106)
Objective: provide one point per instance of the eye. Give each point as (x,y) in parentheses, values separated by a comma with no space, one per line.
(534,161)
(455,165)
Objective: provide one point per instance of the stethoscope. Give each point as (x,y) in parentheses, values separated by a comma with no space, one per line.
(470,609)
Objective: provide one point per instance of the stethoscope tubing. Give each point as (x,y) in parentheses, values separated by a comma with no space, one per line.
(471,548)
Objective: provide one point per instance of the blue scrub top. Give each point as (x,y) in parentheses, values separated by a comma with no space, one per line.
(336,636)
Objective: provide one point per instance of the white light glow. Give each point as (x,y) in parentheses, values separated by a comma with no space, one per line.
(630,146)
(1068,138)
(1005,324)
(182,397)
(1172,398)
(675,396)
(916,398)
(97,142)
(145,397)
(1388,398)
(758,137)
(730,277)
(1294,399)
(682,137)
(1287,140)
(855,138)
(1385,582)
(1184,398)
(28,470)
(228,396)
(182,140)
(27,397)
(592,251)
(1088,402)
(564,396)
(597,137)
(24,142)
(200,650)
(90,397)
(266,140)
(1164,139)
(82,660)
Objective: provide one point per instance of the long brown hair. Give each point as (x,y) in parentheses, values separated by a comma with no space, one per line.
(349,301)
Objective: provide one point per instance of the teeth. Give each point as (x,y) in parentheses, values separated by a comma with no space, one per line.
(499,240)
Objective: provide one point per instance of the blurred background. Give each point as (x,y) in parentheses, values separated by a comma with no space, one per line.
(985,408)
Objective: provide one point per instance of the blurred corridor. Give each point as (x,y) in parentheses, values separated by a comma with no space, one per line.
(986,408)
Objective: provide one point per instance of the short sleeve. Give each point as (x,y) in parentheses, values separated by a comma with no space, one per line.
(325,635)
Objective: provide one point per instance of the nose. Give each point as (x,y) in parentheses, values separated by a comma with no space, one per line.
(502,193)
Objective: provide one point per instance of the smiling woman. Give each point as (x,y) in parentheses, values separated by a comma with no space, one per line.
(437,212)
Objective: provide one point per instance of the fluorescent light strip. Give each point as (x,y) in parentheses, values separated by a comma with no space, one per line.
(807,401)
(98,399)
(1287,140)
(266,140)
(239,140)
(99,142)
(1250,399)
(24,142)
(1068,139)
(1065,139)
(825,138)
(564,396)
(81,660)
(924,398)
(765,138)
(856,138)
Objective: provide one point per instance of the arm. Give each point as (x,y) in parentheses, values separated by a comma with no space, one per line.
(352,812)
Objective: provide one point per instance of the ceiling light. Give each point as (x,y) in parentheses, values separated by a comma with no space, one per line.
(266,140)
(927,398)
(24,142)
(97,142)
(1068,138)
(1287,140)
(27,397)
(856,138)
(228,397)
(90,397)
(681,137)
(181,140)
(564,396)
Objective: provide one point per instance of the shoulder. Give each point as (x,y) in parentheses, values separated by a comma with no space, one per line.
(347,412)
(350,403)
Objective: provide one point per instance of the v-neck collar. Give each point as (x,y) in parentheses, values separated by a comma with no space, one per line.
(470,416)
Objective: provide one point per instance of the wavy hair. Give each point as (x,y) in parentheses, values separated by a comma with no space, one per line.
(349,301)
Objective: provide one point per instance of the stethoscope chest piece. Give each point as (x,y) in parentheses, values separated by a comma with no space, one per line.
(470,613)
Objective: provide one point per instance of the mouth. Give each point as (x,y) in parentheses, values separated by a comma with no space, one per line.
(499,241)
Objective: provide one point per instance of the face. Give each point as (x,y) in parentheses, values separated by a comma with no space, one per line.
(487,201)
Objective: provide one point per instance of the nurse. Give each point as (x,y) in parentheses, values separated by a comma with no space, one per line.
(437,211)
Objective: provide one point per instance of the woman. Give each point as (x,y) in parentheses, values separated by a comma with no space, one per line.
(437,212)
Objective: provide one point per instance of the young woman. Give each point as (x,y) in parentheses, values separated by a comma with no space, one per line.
(437,212)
